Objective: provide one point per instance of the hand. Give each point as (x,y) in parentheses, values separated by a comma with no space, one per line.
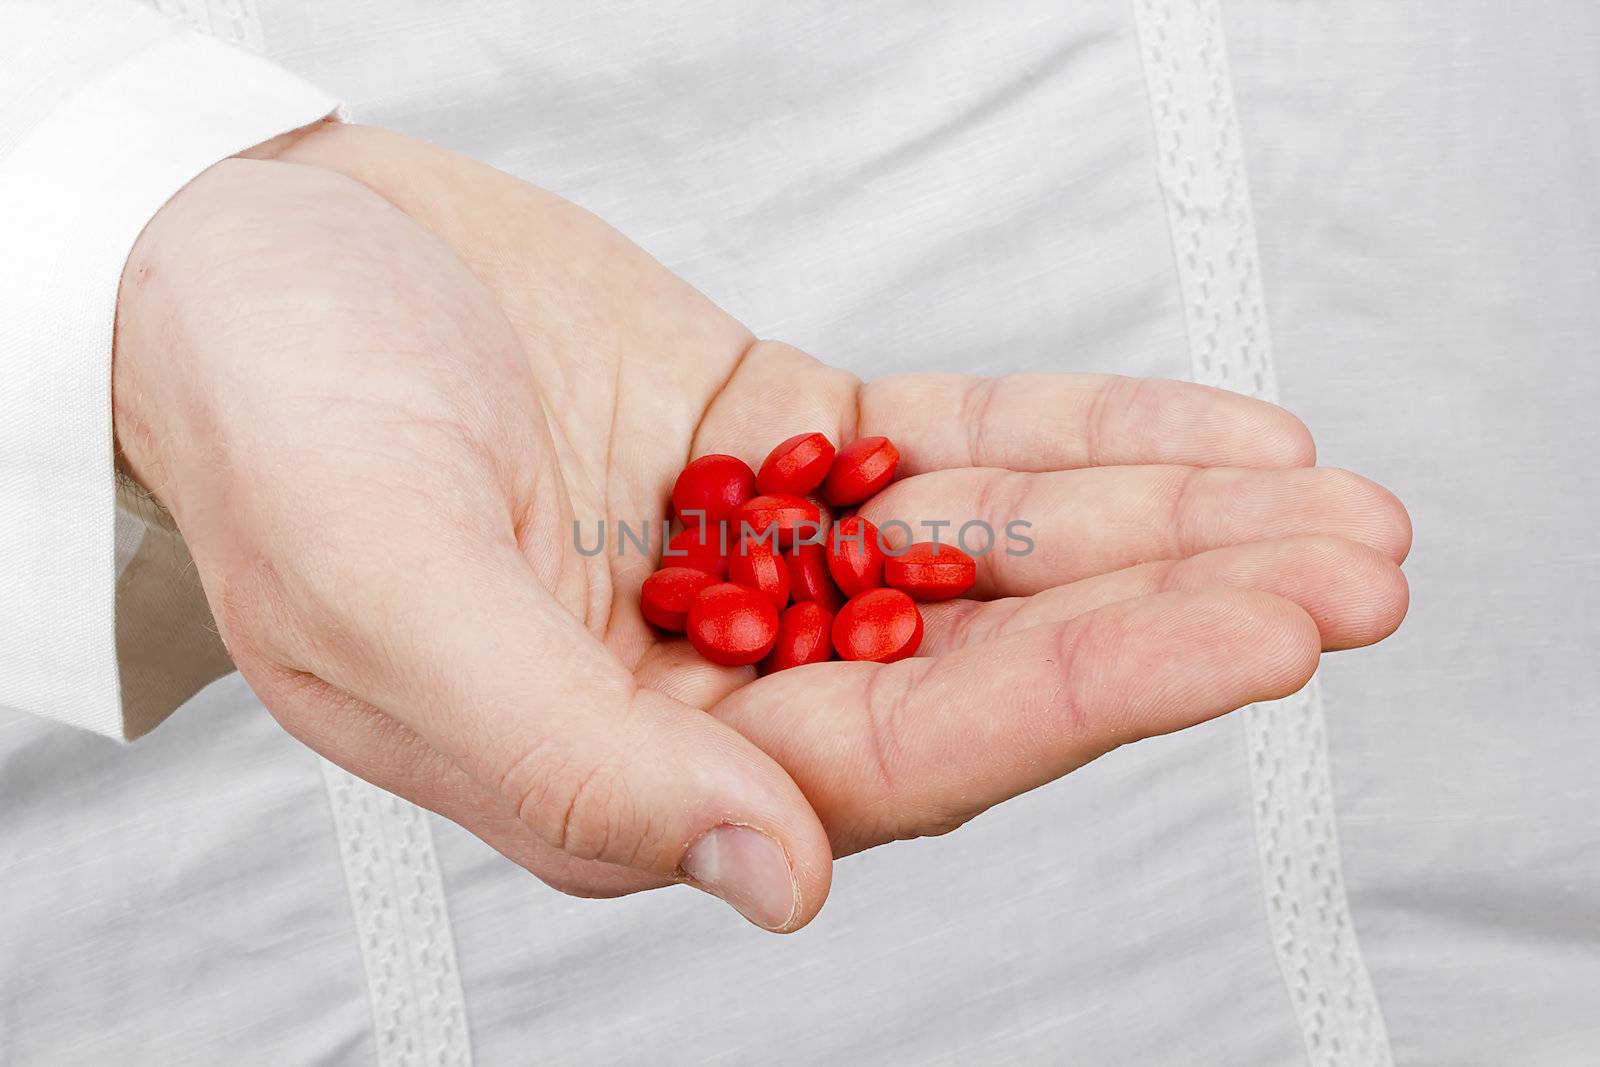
(376,383)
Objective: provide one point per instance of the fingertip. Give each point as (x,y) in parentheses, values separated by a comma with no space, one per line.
(1301,648)
(1355,592)
(1280,637)
(754,873)
(1388,601)
(1258,433)
(764,851)
(767,881)
(1384,522)
(1404,532)
(1396,603)
(810,854)
(1288,442)
(1371,597)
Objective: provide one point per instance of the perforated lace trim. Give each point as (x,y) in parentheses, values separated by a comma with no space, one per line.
(234,21)
(1200,167)
(418,1011)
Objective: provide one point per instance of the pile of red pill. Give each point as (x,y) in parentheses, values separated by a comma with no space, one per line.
(771,566)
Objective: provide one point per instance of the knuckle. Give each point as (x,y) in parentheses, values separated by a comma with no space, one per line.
(888,696)
(585,827)
(554,793)
(941,820)
(876,826)
(977,415)
(529,782)
(1184,518)
(1070,712)
(580,806)
(1004,495)
(1118,402)
(768,372)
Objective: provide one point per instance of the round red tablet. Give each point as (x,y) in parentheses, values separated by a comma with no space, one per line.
(711,489)
(804,636)
(809,579)
(699,547)
(861,468)
(758,565)
(797,466)
(931,571)
(665,597)
(732,625)
(789,517)
(882,625)
(855,558)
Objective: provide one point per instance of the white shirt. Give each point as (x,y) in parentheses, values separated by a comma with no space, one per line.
(1380,212)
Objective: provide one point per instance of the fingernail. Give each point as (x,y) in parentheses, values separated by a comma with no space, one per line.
(747,869)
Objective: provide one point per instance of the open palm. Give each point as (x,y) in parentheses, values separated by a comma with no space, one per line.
(389,544)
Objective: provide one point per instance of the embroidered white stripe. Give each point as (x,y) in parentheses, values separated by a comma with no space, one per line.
(390,867)
(1200,166)
(418,1011)
(234,21)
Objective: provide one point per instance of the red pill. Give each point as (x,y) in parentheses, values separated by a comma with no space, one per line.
(931,571)
(861,468)
(732,625)
(711,489)
(789,517)
(699,547)
(757,565)
(666,595)
(809,579)
(882,625)
(797,466)
(855,558)
(804,636)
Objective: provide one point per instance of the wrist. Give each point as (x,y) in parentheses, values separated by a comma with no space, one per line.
(149,322)
(135,346)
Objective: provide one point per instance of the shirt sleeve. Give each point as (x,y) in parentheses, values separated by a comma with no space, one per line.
(106,110)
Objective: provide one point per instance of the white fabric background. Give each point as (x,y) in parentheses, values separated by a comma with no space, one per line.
(952,186)
(1424,180)
(178,901)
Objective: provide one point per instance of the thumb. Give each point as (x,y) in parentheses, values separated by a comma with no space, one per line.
(474,654)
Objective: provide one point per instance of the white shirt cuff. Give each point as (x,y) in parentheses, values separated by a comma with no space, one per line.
(81,174)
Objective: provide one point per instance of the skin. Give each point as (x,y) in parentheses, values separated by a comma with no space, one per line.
(375,383)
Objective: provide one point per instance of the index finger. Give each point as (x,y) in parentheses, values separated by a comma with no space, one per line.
(1044,422)
(1020,422)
